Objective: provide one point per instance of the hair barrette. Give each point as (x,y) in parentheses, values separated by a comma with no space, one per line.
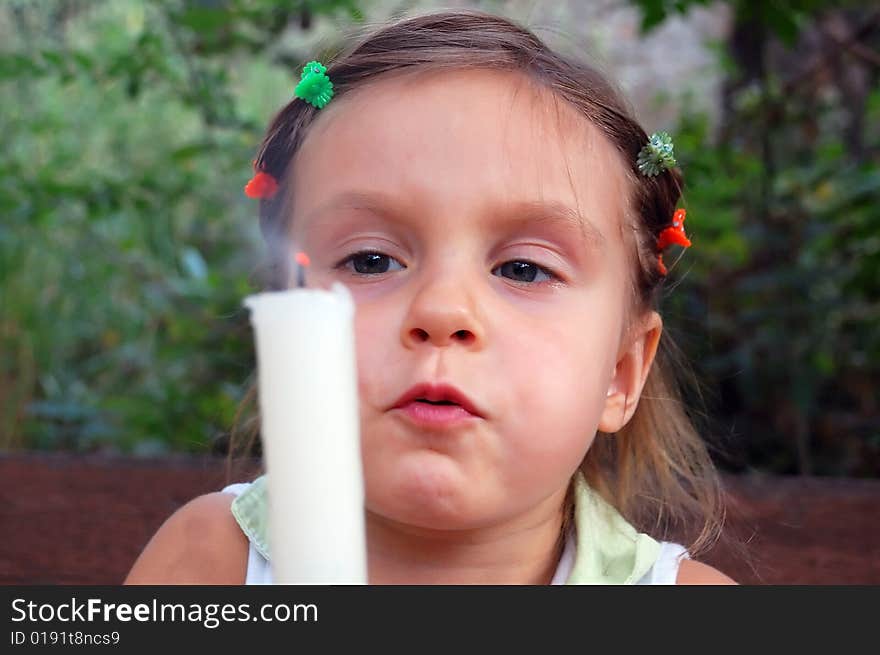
(656,156)
(674,234)
(314,86)
(261,185)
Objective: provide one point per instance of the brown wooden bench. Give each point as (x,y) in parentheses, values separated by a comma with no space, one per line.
(84,520)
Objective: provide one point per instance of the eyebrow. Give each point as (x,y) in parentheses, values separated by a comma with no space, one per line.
(556,213)
(538,211)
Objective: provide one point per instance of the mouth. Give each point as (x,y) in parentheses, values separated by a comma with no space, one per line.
(436,405)
(427,414)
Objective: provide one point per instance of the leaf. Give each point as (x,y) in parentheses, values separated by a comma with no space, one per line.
(85,63)
(18,65)
(192,150)
(783,21)
(653,13)
(55,58)
(205,20)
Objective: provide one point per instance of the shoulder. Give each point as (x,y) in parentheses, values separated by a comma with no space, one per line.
(200,543)
(691,572)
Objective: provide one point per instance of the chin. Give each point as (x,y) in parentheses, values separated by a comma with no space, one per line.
(433,495)
(425,518)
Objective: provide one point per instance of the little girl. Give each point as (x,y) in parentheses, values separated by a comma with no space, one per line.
(499,219)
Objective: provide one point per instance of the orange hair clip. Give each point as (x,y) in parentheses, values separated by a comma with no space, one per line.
(261,185)
(672,235)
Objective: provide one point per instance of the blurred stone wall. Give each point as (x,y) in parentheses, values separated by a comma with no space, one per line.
(673,65)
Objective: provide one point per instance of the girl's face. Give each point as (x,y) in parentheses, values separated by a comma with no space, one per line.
(477,224)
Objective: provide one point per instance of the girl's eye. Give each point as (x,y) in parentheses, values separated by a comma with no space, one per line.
(368,263)
(524,271)
(376,263)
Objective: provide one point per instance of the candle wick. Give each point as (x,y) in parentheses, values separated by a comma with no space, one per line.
(302,261)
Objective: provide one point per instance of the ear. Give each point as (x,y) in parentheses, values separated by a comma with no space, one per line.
(633,364)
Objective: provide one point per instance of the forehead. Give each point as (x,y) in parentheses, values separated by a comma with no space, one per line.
(460,141)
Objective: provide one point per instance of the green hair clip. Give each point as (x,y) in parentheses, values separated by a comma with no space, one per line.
(657,155)
(314,86)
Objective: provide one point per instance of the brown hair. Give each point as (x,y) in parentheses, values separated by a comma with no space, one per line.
(656,470)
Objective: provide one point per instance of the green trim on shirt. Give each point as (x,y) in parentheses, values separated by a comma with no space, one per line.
(609,549)
(251,510)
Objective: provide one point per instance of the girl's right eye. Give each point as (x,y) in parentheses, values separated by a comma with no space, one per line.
(368,263)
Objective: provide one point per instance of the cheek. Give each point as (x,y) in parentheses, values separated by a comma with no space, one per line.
(374,337)
(559,395)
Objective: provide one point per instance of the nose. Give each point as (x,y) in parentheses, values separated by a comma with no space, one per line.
(443,313)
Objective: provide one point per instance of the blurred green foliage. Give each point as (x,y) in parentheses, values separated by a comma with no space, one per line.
(126,245)
(784,18)
(783,292)
(781,303)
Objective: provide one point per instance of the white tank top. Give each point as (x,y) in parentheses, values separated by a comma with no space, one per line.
(663,572)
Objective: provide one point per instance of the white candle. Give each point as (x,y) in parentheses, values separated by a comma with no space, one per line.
(311,434)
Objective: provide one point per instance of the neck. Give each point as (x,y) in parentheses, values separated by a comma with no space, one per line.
(524,550)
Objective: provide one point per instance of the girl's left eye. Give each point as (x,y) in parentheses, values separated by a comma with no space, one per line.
(524,271)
